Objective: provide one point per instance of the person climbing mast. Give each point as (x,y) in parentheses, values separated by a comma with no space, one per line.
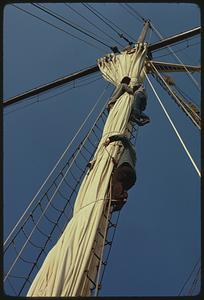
(124,174)
(139,105)
(139,101)
(120,90)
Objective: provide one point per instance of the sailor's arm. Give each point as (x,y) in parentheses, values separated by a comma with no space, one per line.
(127,89)
(114,138)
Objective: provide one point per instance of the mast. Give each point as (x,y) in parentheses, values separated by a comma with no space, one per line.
(106,218)
(143,34)
(83,240)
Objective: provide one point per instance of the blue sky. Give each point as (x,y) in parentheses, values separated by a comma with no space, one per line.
(157,242)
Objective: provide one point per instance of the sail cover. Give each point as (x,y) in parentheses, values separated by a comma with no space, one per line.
(64,270)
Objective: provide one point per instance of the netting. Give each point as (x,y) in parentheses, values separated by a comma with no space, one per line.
(46,219)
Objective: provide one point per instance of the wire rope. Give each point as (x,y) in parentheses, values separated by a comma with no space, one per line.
(71,22)
(178,50)
(172,124)
(129,11)
(90,22)
(188,278)
(66,32)
(113,24)
(136,12)
(61,18)
(178,59)
(179,101)
(52,96)
(90,8)
(194,283)
(170,49)
(185,95)
(55,190)
(63,154)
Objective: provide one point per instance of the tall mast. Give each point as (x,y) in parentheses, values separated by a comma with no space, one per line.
(83,240)
(143,34)
(90,277)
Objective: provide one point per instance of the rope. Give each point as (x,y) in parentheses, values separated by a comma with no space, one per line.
(50,97)
(182,104)
(160,36)
(63,154)
(51,197)
(68,33)
(178,59)
(114,25)
(110,246)
(95,26)
(129,11)
(136,12)
(188,278)
(50,12)
(94,11)
(195,281)
(178,50)
(172,124)
(103,244)
(100,14)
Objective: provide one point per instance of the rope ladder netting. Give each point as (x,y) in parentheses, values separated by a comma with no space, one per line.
(45,220)
(43,223)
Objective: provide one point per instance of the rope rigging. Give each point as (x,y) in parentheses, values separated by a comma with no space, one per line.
(123,5)
(62,19)
(180,101)
(116,26)
(95,26)
(136,12)
(65,186)
(54,26)
(106,233)
(61,157)
(74,175)
(98,15)
(189,279)
(195,282)
(67,89)
(177,58)
(176,131)
(178,50)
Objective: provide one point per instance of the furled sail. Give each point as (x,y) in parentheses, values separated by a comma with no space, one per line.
(64,271)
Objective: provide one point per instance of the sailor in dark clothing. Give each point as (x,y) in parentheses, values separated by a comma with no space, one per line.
(139,105)
(124,176)
(120,90)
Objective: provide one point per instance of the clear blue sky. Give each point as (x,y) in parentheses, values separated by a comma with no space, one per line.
(157,241)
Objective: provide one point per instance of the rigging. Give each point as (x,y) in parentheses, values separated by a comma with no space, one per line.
(50,12)
(178,59)
(130,11)
(96,13)
(176,131)
(67,89)
(50,204)
(69,6)
(68,33)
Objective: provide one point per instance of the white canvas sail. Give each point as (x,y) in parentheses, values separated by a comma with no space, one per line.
(63,272)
